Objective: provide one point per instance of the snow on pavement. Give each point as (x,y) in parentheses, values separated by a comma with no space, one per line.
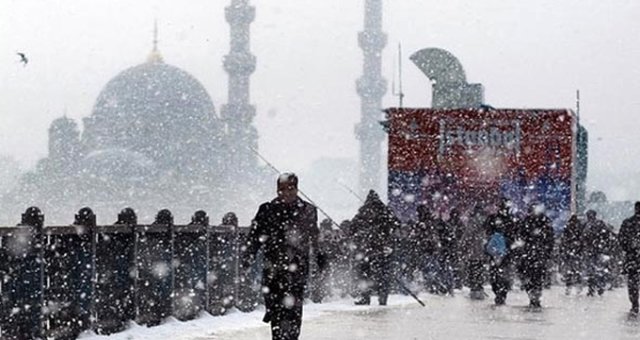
(458,317)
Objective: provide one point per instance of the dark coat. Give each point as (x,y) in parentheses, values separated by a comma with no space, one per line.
(288,233)
(597,239)
(374,226)
(472,240)
(536,234)
(426,238)
(448,233)
(629,238)
(571,245)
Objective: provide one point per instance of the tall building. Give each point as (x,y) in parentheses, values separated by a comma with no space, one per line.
(371,87)
(238,113)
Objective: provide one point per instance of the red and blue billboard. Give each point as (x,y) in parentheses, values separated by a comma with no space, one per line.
(457,158)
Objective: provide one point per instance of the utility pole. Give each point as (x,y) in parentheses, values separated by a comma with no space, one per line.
(399,93)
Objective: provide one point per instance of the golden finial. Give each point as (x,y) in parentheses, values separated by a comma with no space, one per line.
(154,56)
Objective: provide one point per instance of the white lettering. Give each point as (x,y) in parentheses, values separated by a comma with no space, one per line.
(495,135)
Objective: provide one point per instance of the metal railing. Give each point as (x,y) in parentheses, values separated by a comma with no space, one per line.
(58,281)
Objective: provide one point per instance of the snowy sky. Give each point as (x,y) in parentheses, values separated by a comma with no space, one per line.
(533,53)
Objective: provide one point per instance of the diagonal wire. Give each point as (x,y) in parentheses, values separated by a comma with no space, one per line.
(300,191)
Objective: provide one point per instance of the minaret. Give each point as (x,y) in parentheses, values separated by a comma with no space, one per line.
(371,87)
(238,113)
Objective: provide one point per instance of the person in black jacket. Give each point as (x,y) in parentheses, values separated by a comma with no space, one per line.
(456,227)
(502,223)
(427,249)
(629,238)
(327,245)
(473,254)
(571,252)
(597,245)
(287,229)
(536,236)
(373,227)
(446,257)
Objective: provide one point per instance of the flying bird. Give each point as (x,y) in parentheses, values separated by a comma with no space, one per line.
(23,58)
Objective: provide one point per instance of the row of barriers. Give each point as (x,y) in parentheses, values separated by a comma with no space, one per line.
(58,281)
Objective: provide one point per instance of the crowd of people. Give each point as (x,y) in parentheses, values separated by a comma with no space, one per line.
(375,254)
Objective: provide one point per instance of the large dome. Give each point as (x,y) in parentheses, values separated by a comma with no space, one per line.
(117,165)
(156,109)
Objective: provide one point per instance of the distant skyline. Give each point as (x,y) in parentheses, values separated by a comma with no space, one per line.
(526,54)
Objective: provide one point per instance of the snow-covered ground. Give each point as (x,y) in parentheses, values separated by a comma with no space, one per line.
(458,317)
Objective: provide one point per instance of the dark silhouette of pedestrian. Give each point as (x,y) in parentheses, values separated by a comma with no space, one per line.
(473,256)
(428,247)
(597,243)
(629,238)
(373,227)
(320,274)
(287,229)
(500,227)
(536,239)
(572,253)
(452,256)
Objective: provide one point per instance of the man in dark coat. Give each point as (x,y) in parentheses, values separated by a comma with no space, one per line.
(287,229)
(446,255)
(536,236)
(571,252)
(597,245)
(454,252)
(502,222)
(373,227)
(428,249)
(629,238)
(473,256)
(327,245)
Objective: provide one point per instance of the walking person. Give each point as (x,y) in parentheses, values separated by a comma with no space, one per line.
(456,226)
(536,236)
(629,239)
(597,252)
(446,255)
(500,230)
(473,255)
(572,253)
(320,285)
(427,245)
(374,225)
(287,229)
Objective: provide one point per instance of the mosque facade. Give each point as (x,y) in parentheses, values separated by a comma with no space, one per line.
(154,140)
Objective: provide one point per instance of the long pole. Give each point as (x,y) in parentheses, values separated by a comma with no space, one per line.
(400,93)
(351,191)
(408,291)
(299,191)
(578,105)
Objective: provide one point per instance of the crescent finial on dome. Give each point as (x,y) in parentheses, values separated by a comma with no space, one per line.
(154,56)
